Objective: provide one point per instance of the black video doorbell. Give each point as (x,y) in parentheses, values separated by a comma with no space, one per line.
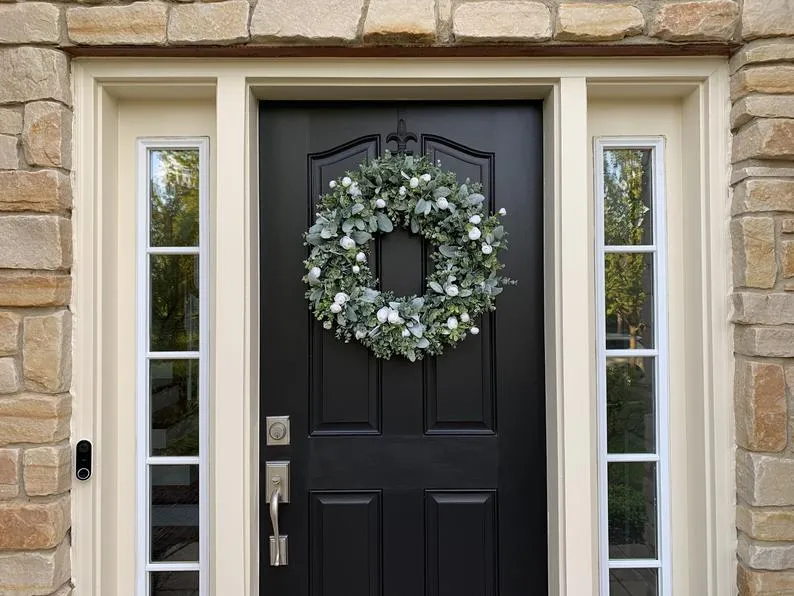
(83,460)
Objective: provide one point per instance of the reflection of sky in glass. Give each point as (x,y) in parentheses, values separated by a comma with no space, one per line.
(174,197)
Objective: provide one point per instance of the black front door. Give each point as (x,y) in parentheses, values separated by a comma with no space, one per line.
(423,479)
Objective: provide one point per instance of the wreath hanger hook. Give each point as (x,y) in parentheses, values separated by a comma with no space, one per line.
(401,137)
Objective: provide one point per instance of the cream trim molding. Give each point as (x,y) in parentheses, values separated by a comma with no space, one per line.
(103,527)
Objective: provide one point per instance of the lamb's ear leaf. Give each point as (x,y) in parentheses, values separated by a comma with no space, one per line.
(441,191)
(411,355)
(384,223)
(347,225)
(357,208)
(420,206)
(361,237)
(476,198)
(423,343)
(436,286)
(414,225)
(448,251)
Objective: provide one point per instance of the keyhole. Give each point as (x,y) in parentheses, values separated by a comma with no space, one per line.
(278,431)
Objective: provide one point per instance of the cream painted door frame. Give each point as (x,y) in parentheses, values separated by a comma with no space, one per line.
(102,563)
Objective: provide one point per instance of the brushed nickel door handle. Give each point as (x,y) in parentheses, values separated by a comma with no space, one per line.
(277,483)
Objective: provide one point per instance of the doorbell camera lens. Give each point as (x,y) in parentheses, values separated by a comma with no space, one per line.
(83,460)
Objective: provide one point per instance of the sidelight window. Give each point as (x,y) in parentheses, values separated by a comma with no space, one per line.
(172,367)
(632,367)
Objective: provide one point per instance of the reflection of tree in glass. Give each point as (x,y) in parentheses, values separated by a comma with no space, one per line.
(625,211)
(175,302)
(175,197)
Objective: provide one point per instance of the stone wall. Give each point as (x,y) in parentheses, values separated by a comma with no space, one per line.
(36,235)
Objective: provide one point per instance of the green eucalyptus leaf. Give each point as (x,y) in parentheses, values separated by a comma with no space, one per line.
(357,208)
(347,225)
(361,237)
(423,343)
(475,199)
(326,233)
(436,286)
(384,223)
(420,206)
(448,251)
(442,191)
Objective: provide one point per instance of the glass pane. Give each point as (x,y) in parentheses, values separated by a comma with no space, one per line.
(174,583)
(631,427)
(175,407)
(175,302)
(633,582)
(627,197)
(628,283)
(174,199)
(632,510)
(175,512)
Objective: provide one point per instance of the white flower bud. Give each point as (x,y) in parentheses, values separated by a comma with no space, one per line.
(360,334)
(347,242)
(315,272)
(332,184)
(452,323)
(464,317)
(475,219)
(442,203)
(356,269)
(383,314)
(327,325)
(346,181)
(414,182)
(341,298)
(354,190)
(380,203)
(474,234)
(402,191)
(452,291)
(486,249)
(426,177)
(361,257)
(336,308)
(406,333)
(394,317)
(503,211)
(474,330)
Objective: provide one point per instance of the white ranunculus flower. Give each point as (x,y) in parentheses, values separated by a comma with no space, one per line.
(383,314)
(360,334)
(354,190)
(361,257)
(503,211)
(442,203)
(327,325)
(356,269)
(406,333)
(336,308)
(414,182)
(426,177)
(464,317)
(394,317)
(486,249)
(474,234)
(347,242)
(346,181)
(475,219)
(452,291)
(452,323)
(341,298)
(474,330)
(314,272)
(380,203)
(402,191)
(332,184)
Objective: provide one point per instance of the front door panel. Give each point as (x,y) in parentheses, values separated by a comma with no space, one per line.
(407,479)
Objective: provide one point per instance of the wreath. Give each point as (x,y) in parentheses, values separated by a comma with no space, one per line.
(412,193)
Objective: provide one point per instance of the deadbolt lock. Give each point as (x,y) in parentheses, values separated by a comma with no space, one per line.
(277,430)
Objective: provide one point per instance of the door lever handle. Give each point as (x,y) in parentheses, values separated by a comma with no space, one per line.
(274,498)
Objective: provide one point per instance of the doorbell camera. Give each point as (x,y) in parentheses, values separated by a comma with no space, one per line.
(83,460)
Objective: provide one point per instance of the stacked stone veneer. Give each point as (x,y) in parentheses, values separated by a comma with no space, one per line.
(36,233)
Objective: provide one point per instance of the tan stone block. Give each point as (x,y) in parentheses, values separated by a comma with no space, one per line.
(47,470)
(400,21)
(763,194)
(47,353)
(35,242)
(710,20)
(47,136)
(34,573)
(31,526)
(444,20)
(787,258)
(777,79)
(766,524)
(767,18)
(31,73)
(30,418)
(10,121)
(9,155)
(30,22)
(764,341)
(9,376)
(753,308)
(787,225)
(215,23)
(597,22)
(43,191)
(501,20)
(9,333)
(34,288)
(754,263)
(314,21)
(764,480)
(761,169)
(763,50)
(138,23)
(66,590)
(9,473)
(760,405)
(752,582)
(765,555)
(771,138)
